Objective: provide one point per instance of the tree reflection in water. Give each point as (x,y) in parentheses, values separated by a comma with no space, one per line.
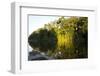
(62,39)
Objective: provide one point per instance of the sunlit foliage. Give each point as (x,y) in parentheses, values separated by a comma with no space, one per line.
(63,38)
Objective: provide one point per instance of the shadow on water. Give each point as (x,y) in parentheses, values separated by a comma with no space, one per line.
(42,42)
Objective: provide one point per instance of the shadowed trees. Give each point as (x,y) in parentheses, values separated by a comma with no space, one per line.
(43,40)
(81,37)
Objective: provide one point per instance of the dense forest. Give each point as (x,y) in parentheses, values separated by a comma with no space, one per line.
(64,38)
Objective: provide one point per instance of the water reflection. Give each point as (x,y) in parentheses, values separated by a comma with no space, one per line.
(63,42)
(52,45)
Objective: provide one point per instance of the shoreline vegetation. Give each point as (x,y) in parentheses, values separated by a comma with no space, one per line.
(64,38)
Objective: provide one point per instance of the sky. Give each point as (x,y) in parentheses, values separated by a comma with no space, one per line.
(36,22)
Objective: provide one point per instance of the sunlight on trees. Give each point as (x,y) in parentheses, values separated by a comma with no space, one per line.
(63,38)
